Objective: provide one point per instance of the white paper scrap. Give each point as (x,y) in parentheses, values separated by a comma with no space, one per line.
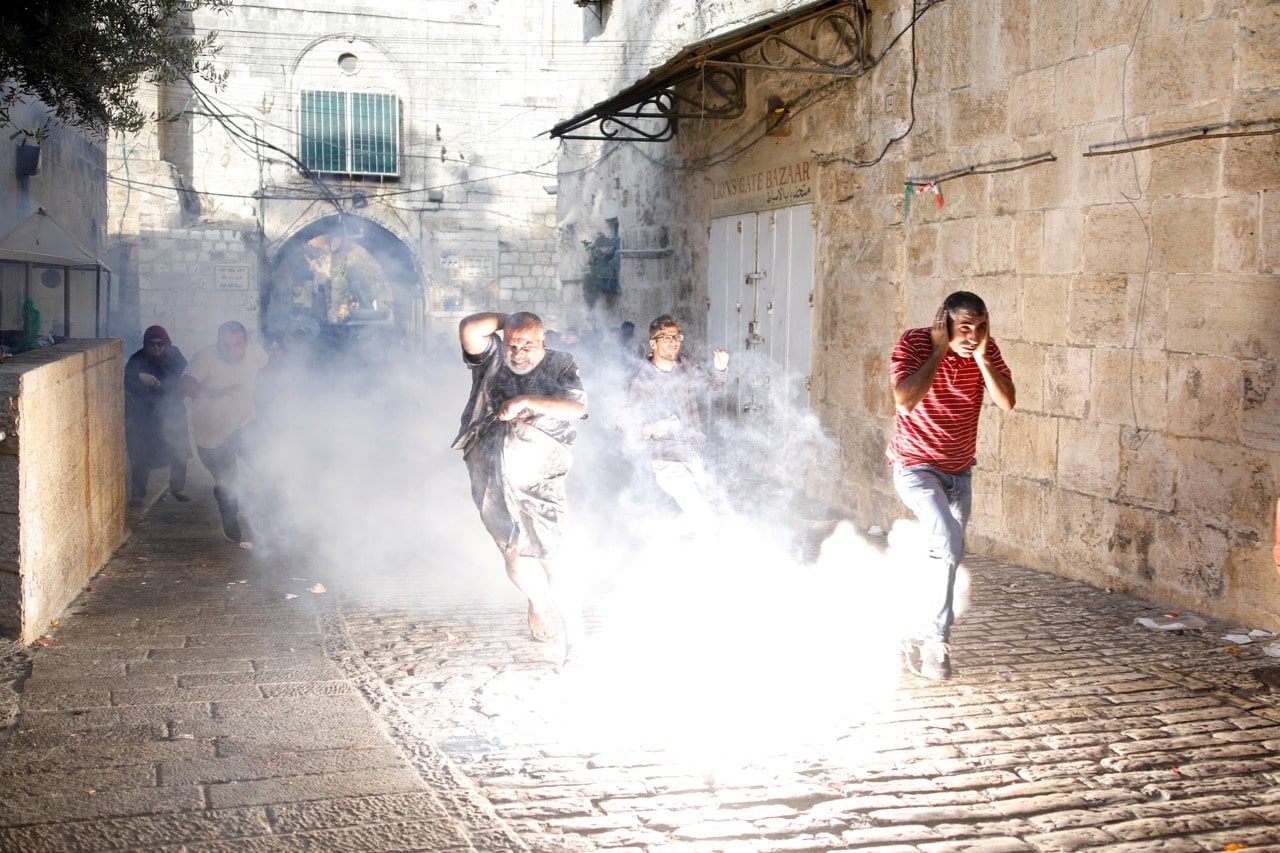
(1172,623)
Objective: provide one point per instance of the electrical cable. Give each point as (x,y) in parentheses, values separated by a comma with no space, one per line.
(916,15)
(1139,438)
(1188,135)
(992,167)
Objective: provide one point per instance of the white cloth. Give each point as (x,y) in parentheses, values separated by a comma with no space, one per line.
(214,417)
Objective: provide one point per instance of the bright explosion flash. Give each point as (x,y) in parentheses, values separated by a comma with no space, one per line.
(725,649)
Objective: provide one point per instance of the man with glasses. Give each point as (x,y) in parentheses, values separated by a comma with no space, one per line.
(516,438)
(939,375)
(665,418)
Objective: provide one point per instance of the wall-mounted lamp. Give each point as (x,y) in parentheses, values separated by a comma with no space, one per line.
(435,196)
(551,189)
(778,120)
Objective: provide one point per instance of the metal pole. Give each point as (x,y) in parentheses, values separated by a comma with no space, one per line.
(66,302)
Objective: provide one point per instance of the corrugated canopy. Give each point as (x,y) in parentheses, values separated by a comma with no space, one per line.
(647,110)
(40,239)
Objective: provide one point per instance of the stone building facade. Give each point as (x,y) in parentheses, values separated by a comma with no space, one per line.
(67,180)
(1103,173)
(367,170)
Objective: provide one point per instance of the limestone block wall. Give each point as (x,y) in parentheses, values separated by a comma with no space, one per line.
(193,279)
(656,275)
(1133,292)
(62,475)
(526,272)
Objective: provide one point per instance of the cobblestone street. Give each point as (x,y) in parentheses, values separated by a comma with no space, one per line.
(1066,727)
(202,697)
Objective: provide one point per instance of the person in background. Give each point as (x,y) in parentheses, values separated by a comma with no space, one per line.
(625,336)
(516,436)
(274,431)
(663,414)
(220,382)
(155,415)
(939,374)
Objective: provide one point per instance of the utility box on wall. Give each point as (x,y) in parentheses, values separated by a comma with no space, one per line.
(62,467)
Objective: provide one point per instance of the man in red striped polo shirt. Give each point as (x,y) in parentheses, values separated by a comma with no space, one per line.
(939,374)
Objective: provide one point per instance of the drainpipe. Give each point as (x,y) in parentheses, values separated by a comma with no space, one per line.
(1275,552)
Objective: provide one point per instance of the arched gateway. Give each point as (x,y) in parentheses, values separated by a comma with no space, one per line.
(345,278)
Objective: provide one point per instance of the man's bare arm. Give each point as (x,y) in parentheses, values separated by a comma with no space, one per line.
(999,386)
(474,331)
(909,391)
(189,386)
(560,408)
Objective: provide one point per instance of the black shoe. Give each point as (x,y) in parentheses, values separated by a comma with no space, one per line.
(135,503)
(181,496)
(229,510)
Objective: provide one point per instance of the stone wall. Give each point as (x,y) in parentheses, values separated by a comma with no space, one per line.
(62,466)
(192,279)
(473,162)
(1133,292)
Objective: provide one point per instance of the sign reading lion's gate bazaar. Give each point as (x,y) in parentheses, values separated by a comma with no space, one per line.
(763,188)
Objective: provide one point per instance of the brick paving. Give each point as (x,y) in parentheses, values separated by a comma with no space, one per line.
(1067,726)
(193,698)
(200,697)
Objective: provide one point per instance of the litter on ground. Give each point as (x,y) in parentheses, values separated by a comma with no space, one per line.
(1175,622)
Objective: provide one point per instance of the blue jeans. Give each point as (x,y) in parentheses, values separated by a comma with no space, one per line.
(941,502)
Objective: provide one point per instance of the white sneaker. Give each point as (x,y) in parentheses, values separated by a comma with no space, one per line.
(935,660)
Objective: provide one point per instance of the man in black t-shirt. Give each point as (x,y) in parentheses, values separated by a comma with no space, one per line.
(516,436)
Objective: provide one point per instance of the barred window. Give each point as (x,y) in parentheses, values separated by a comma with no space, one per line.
(350,133)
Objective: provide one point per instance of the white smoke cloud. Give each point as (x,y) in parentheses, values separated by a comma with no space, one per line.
(781,621)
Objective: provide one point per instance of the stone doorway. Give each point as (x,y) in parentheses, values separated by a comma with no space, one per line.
(345,278)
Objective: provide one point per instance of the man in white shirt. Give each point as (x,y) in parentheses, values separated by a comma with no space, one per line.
(219,380)
(665,419)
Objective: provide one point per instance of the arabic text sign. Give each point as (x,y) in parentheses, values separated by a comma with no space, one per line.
(228,277)
(763,188)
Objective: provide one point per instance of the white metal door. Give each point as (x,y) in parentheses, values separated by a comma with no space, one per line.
(760,306)
(733,255)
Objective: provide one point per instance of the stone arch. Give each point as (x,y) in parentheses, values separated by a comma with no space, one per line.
(344,276)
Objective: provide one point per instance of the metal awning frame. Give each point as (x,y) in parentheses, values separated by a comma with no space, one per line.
(649,110)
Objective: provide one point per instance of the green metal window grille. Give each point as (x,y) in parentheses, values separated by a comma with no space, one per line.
(350,133)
